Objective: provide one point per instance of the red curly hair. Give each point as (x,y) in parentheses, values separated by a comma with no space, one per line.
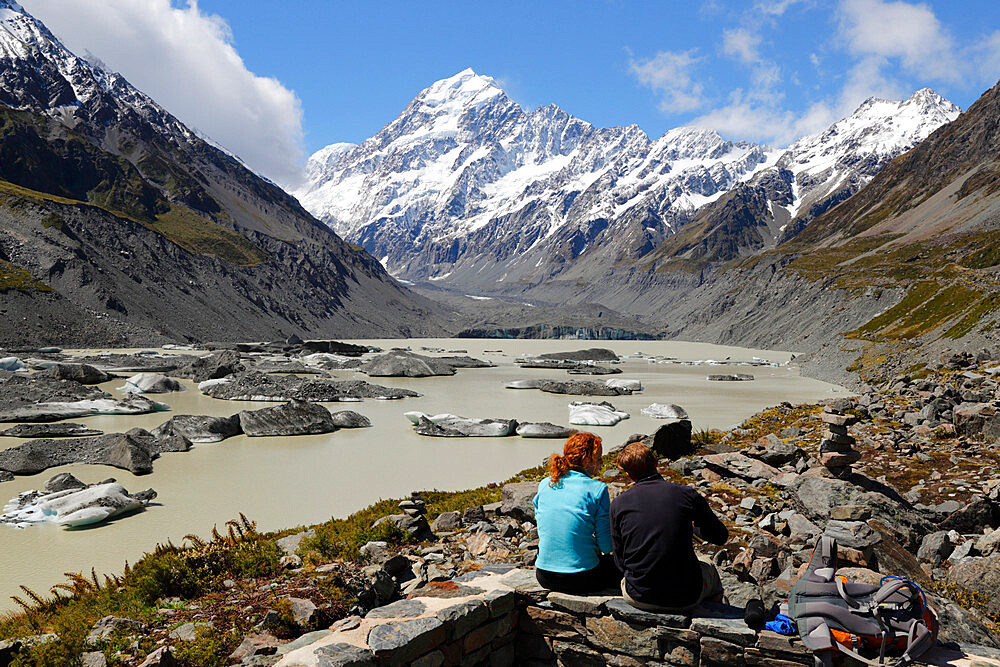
(581,452)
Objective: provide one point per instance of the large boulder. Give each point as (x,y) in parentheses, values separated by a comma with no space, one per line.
(977,418)
(671,440)
(82,373)
(75,507)
(400,363)
(584,413)
(255,386)
(582,388)
(36,398)
(774,451)
(350,419)
(292,418)
(973,517)
(200,428)
(737,464)
(517,500)
(981,575)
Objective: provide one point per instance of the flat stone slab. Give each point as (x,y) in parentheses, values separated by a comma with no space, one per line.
(399,609)
(623,611)
(589,605)
(732,630)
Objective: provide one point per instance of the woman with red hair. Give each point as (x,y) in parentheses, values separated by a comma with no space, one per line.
(574,531)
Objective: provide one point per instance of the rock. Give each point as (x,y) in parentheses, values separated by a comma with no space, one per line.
(839,459)
(133,451)
(853,534)
(255,644)
(92,659)
(74,506)
(343,655)
(517,500)
(415,525)
(151,383)
(62,482)
(462,618)
(290,543)
(189,631)
(161,657)
(200,428)
(672,440)
(773,451)
(981,575)
(405,640)
(82,373)
(12,364)
(292,418)
(664,411)
(735,464)
(453,426)
(972,517)
(977,418)
(935,548)
(594,414)
(802,529)
(543,430)
(962,551)
(108,626)
(730,377)
(303,611)
(350,419)
(6,476)
(49,411)
(61,430)
(988,543)
(289,562)
(447,521)
(590,354)
(256,386)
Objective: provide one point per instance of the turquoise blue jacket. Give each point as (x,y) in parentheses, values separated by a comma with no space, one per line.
(573,524)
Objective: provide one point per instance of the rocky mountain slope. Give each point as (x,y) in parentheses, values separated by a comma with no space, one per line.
(118,223)
(467,189)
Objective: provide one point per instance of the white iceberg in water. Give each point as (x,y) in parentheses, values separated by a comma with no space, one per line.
(618,383)
(665,411)
(150,383)
(12,364)
(74,507)
(582,413)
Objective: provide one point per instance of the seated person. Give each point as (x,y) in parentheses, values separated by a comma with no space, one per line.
(571,510)
(651,526)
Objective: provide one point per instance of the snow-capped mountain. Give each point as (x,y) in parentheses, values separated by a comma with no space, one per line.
(138,225)
(466,187)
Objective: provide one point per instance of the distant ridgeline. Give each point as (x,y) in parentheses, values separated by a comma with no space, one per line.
(566,332)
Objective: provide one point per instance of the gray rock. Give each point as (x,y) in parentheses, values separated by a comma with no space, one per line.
(988,543)
(343,655)
(189,631)
(406,640)
(161,657)
(255,644)
(292,418)
(802,529)
(303,611)
(290,543)
(151,383)
(773,451)
(60,430)
(581,388)
(460,619)
(399,609)
(732,630)
(200,428)
(962,551)
(623,611)
(447,521)
(91,659)
(109,626)
(350,419)
(6,476)
(517,500)
(590,354)
(588,605)
(730,377)
(735,464)
(402,363)
(981,575)
(672,440)
(853,534)
(935,548)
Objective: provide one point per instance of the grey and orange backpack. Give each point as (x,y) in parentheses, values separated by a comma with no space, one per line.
(891,620)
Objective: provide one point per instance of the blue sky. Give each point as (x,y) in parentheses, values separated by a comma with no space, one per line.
(338,71)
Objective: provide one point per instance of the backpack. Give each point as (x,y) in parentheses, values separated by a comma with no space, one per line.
(833,615)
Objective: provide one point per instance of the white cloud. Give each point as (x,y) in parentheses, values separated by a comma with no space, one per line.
(774,7)
(912,33)
(185,60)
(741,43)
(670,73)
(747,118)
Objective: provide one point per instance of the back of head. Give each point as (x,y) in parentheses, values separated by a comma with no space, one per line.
(637,460)
(582,451)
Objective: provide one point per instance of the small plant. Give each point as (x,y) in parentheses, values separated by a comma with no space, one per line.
(706,437)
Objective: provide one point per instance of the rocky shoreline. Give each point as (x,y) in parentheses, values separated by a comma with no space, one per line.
(904,475)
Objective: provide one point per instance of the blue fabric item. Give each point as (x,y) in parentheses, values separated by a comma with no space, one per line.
(781,624)
(573,524)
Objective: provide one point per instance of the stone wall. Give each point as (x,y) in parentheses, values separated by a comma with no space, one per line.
(500,616)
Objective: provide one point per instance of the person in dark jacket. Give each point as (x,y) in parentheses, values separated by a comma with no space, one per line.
(652,525)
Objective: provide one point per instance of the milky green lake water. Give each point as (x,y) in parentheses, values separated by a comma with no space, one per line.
(282,482)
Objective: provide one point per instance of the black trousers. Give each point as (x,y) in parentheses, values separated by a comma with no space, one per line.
(603,577)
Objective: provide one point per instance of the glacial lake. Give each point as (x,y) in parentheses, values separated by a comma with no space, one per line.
(284,482)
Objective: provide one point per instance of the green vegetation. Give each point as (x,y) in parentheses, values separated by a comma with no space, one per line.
(203,237)
(15,278)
